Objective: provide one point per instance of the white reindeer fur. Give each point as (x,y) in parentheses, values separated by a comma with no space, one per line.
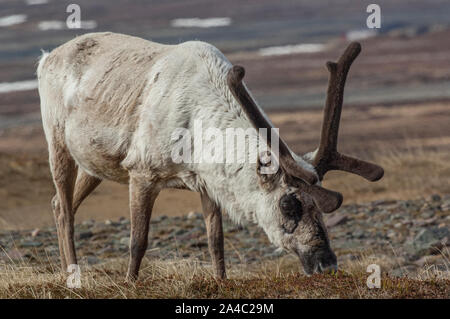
(117,109)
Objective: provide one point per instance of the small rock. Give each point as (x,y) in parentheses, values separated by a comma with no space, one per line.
(178,232)
(445,206)
(193,215)
(90,260)
(358,233)
(429,240)
(105,250)
(428,260)
(425,222)
(31,244)
(35,232)
(154,243)
(15,254)
(125,241)
(88,222)
(391,234)
(51,250)
(335,220)
(404,271)
(383,202)
(378,225)
(124,221)
(407,223)
(109,222)
(157,219)
(435,198)
(85,235)
(198,244)
(30,257)
(427,213)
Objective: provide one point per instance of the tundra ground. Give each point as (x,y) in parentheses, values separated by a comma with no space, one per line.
(189,279)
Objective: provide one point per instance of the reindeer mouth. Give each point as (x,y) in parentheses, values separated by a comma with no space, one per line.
(319,261)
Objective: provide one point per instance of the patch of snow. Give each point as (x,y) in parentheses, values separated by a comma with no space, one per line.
(88,24)
(201,23)
(51,25)
(35,2)
(60,25)
(292,49)
(12,20)
(355,35)
(7,87)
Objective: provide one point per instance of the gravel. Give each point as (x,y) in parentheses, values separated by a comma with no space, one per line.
(415,231)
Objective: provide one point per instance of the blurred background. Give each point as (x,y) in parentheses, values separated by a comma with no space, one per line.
(397,101)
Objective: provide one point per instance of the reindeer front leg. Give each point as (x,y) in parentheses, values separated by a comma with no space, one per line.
(142,197)
(213,221)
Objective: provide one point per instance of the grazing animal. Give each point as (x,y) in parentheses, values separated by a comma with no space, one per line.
(110,104)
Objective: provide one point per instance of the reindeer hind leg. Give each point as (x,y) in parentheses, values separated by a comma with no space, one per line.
(63,170)
(84,185)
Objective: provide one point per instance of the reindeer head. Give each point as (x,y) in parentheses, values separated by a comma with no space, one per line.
(299,200)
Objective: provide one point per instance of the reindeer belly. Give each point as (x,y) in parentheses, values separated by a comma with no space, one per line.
(97,150)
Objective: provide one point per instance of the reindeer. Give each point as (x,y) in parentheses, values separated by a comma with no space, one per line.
(109,104)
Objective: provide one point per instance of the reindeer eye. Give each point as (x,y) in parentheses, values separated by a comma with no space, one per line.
(290,206)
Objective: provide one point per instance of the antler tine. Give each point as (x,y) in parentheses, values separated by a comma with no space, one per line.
(258,120)
(327,157)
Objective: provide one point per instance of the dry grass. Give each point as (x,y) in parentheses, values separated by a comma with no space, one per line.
(412,173)
(191,279)
(408,175)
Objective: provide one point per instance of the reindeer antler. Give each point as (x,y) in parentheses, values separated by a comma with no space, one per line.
(327,201)
(258,120)
(327,157)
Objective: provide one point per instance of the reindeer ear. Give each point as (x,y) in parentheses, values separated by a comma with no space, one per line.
(268,171)
(327,201)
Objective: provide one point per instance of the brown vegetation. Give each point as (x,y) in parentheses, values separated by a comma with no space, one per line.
(190,279)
